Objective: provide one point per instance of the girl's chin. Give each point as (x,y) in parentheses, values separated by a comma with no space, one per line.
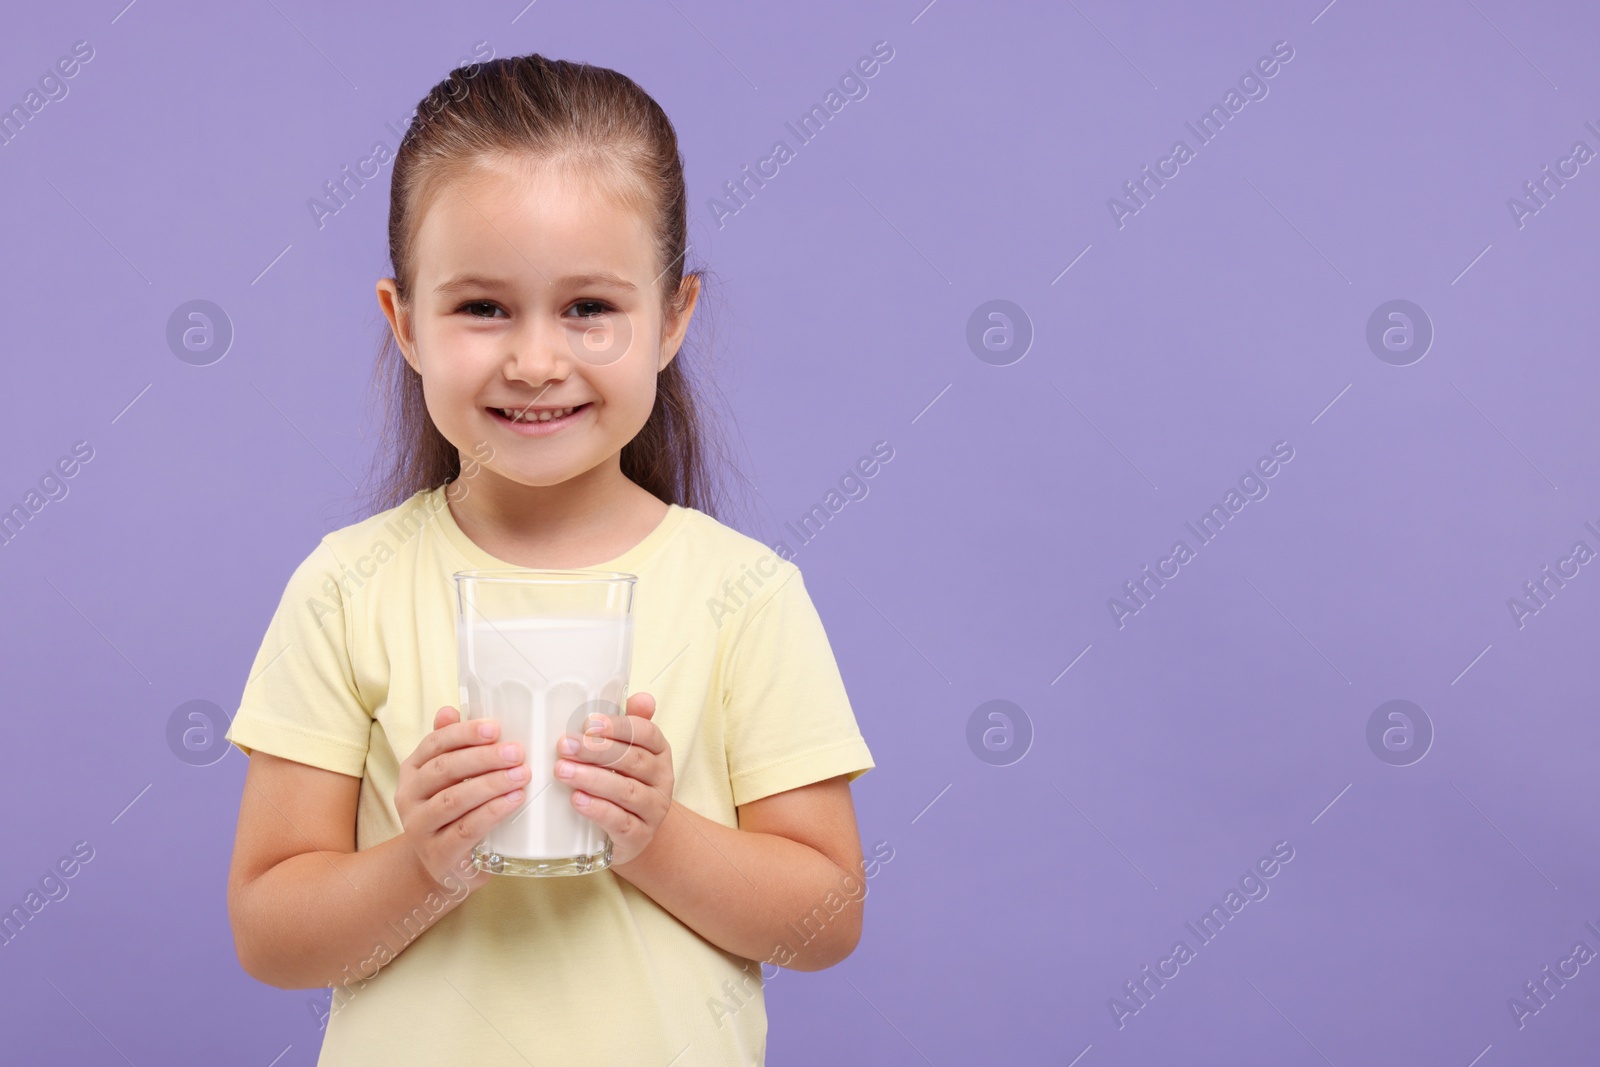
(533,475)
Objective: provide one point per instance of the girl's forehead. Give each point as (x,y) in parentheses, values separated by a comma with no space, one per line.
(524,176)
(507,188)
(540,224)
(516,205)
(514,215)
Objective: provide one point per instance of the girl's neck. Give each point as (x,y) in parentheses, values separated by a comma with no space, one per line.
(581,522)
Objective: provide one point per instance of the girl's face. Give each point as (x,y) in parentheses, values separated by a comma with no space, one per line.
(535,293)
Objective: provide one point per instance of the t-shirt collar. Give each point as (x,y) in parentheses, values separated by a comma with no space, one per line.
(628,562)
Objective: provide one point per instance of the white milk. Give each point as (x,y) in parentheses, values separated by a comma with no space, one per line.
(541,678)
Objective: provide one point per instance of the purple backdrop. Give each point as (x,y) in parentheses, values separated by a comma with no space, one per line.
(1075,338)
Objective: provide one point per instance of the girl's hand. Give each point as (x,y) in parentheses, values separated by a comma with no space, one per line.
(621,776)
(452,789)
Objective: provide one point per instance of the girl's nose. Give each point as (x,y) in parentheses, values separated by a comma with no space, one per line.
(537,356)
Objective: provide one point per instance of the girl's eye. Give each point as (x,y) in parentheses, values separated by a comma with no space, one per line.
(593,308)
(480,304)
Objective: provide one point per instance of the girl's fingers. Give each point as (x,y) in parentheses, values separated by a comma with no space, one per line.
(475,825)
(633,761)
(633,795)
(634,727)
(463,800)
(614,819)
(625,730)
(462,764)
(451,736)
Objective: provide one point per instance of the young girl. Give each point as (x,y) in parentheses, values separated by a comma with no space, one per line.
(537,234)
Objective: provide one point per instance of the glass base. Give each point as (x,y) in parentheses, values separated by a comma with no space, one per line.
(485,859)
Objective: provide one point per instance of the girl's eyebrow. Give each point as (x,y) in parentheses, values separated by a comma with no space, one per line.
(475,281)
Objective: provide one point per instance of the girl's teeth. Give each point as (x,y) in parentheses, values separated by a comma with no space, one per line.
(531,416)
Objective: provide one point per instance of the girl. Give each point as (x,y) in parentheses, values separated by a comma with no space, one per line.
(537,234)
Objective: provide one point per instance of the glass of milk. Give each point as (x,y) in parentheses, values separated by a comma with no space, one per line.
(539,652)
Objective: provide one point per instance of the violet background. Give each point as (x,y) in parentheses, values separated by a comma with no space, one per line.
(1228,314)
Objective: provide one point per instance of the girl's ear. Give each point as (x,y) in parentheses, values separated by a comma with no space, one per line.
(399,321)
(679,312)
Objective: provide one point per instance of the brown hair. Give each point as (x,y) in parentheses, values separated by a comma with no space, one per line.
(604,127)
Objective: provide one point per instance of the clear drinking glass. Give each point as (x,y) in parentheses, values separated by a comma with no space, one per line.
(540,651)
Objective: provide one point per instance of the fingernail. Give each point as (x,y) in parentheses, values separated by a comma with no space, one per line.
(594,726)
(518,773)
(563,769)
(568,746)
(486,730)
(508,752)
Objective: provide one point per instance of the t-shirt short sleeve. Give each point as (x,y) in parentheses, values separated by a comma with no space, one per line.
(788,718)
(301,701)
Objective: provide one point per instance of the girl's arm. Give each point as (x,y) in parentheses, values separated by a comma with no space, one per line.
(307,909)
(761,890)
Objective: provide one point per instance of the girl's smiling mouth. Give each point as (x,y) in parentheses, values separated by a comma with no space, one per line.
(539,422)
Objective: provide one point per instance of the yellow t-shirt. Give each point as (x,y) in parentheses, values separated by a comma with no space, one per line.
(359,656)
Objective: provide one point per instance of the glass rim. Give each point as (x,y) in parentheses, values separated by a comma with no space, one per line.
(528,575)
